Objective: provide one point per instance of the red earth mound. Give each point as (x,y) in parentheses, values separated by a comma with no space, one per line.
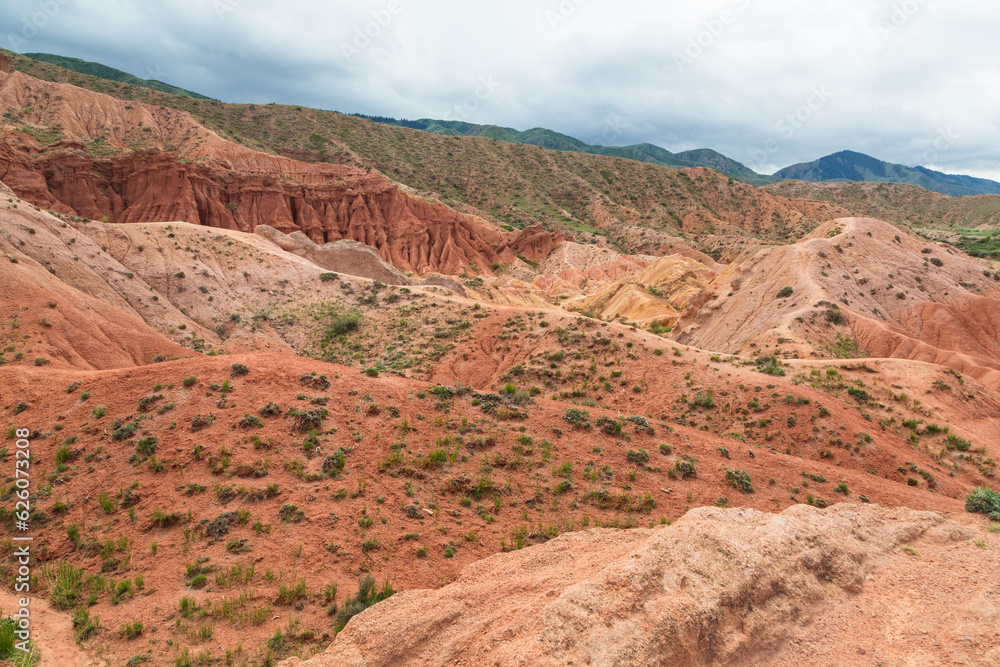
(209,181)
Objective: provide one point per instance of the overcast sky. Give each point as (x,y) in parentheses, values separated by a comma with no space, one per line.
(766,82)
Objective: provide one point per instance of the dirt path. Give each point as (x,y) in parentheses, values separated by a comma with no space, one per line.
(51,632)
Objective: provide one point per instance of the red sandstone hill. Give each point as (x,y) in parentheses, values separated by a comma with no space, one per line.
(843,587)
(855,287)
(512,426)
(230,429)
(132,163)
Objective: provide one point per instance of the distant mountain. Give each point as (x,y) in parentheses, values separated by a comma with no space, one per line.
(560,142)
(842,166)
(706,157)
(845,166)
(851,166)
(112,74)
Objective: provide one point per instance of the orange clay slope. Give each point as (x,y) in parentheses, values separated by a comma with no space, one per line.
(856,287)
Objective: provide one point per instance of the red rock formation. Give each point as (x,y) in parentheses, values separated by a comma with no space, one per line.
(536,244)
(4,63)
(343,203)
(217,183)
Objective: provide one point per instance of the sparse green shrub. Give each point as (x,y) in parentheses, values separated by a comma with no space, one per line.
(146,446)
(123,431)
(199,421)
(249,421)
(107,503)
(983,501)
(770,366)
(272,409)
(739,480)
(609,426)
(334,463)
(639,457)
(291,513)
(834,316)
(578,418)
(684,469)
(131,630)
(341,324)
(306,420)
(288,594)
(64,582)
(704,400)
(366,596)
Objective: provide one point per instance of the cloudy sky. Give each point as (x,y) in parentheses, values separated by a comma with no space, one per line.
(767,82)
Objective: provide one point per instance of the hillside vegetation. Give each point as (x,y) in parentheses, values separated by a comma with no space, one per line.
(112,74)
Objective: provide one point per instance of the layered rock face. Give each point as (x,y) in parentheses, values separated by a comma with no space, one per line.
(721,587)
(333,204)
(127,162)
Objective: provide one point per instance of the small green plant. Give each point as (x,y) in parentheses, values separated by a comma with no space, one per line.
(639,457)
(291,513)
(684,469)
(64,583)
(770,366)
(288,594)
(107,503)
(368,595)
(984,501)
(131,630)
(739,480)
(124,430)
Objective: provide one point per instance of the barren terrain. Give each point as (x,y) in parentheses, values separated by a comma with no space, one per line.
(252,381)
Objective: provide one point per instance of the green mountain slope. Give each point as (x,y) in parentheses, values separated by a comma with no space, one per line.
(851,166)
(838,167)
(112,74)
(635,202)
(552,140)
